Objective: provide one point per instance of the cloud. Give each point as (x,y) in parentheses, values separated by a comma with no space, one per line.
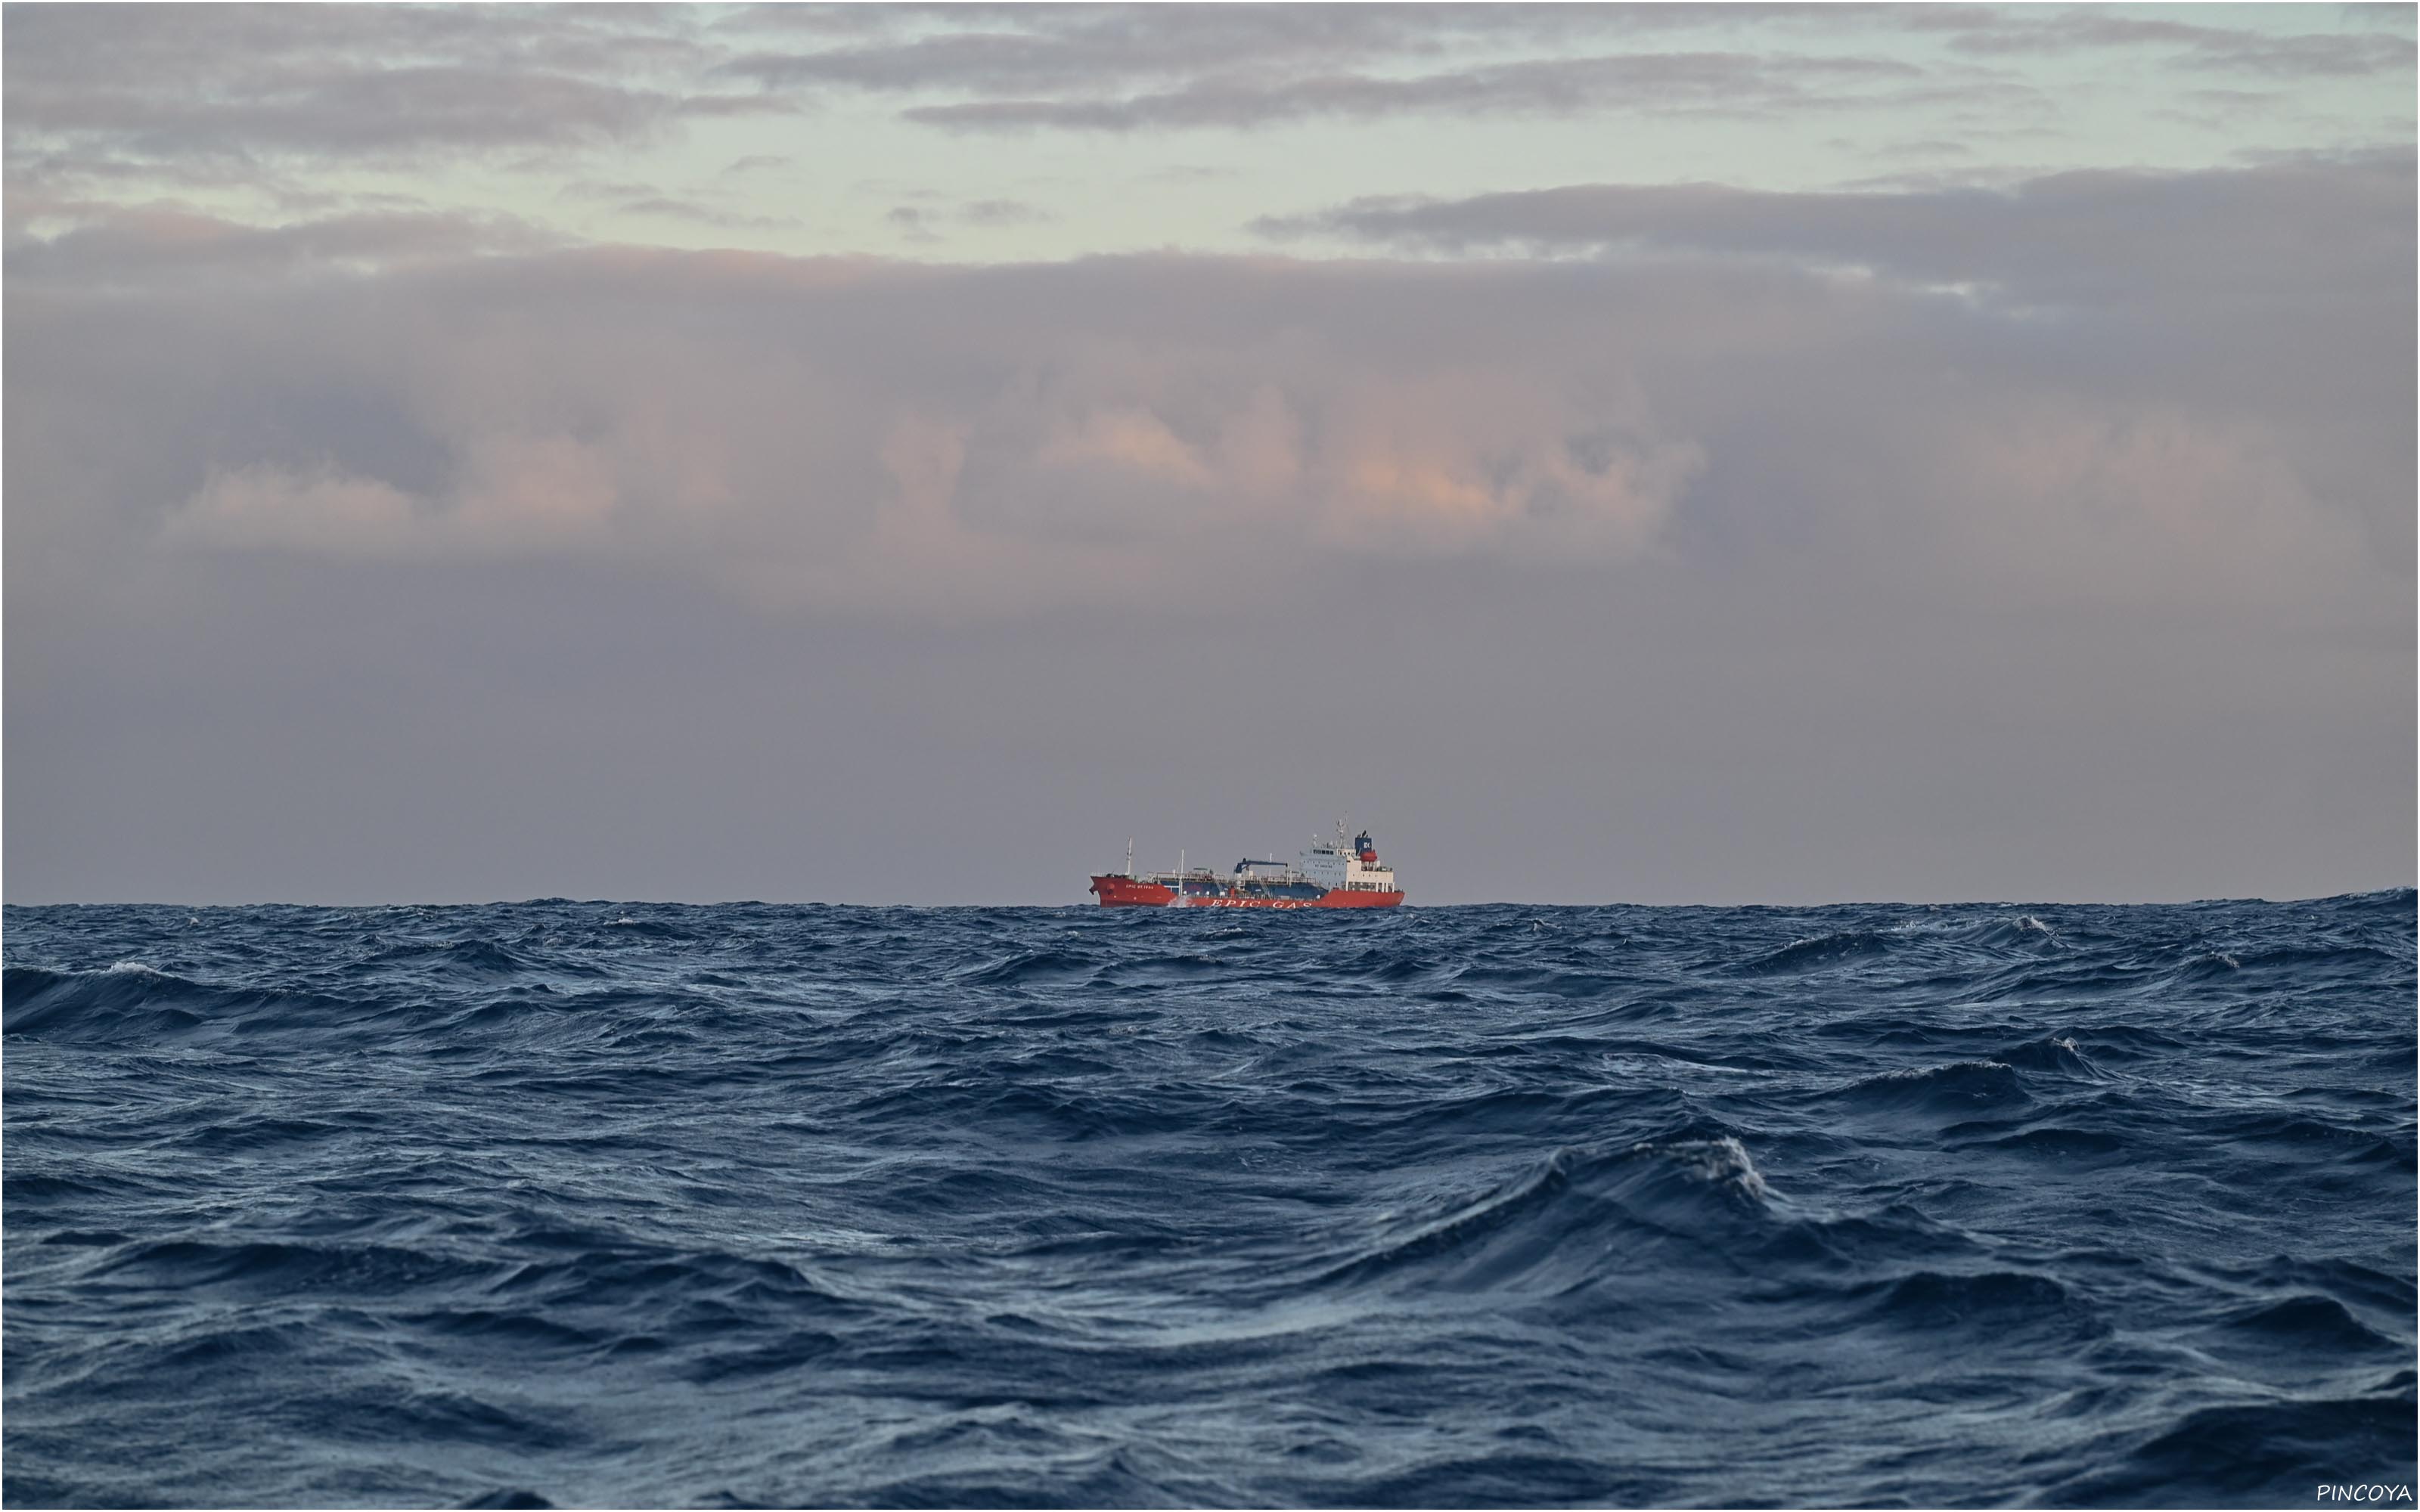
(2312,57)
(518,495)
(1020,491)
(2197,384)
(1784,545)
(1810,374)
(177,92)
(145,101)
(321,513)
(143,243)
(924,223)
(1190,172)
(912,222)
(1707,82)
(1930,146)
(867,438)
(1130,441)
(673,207)
(1090,53)
(1001,212)
(2070,239)
(605,189)
(1065,47)
(1110,68)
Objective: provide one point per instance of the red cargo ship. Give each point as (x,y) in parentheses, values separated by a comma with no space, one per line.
(1325,876)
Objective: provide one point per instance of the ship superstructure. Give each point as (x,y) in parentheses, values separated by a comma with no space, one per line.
(1327,875)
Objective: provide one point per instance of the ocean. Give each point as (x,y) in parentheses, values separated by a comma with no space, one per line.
(577,1203)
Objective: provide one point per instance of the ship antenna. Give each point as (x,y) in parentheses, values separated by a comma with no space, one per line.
(1129,857)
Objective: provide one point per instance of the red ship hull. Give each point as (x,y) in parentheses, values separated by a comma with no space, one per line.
(1117,891)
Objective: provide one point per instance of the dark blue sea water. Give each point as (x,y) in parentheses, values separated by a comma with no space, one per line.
(618,1203)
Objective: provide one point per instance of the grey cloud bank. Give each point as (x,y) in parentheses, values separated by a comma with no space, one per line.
(2048,535)
(1672,578)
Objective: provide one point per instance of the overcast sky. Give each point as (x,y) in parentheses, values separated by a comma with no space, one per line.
(1739,455)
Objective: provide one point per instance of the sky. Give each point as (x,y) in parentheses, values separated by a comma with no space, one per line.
(1667,454)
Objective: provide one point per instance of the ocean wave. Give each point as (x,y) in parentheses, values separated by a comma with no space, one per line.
(2059,1142)
(2018,931)
(2315,960)
(2272,1452)
(472,957)
(145,1005)
(1820,953)
(652,928)
(1938,1302)
(2053,1054)
(1961,1087)
(1032,966)
(285,1268)
(1563,1224)
(591,1201)
(2309,1323)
